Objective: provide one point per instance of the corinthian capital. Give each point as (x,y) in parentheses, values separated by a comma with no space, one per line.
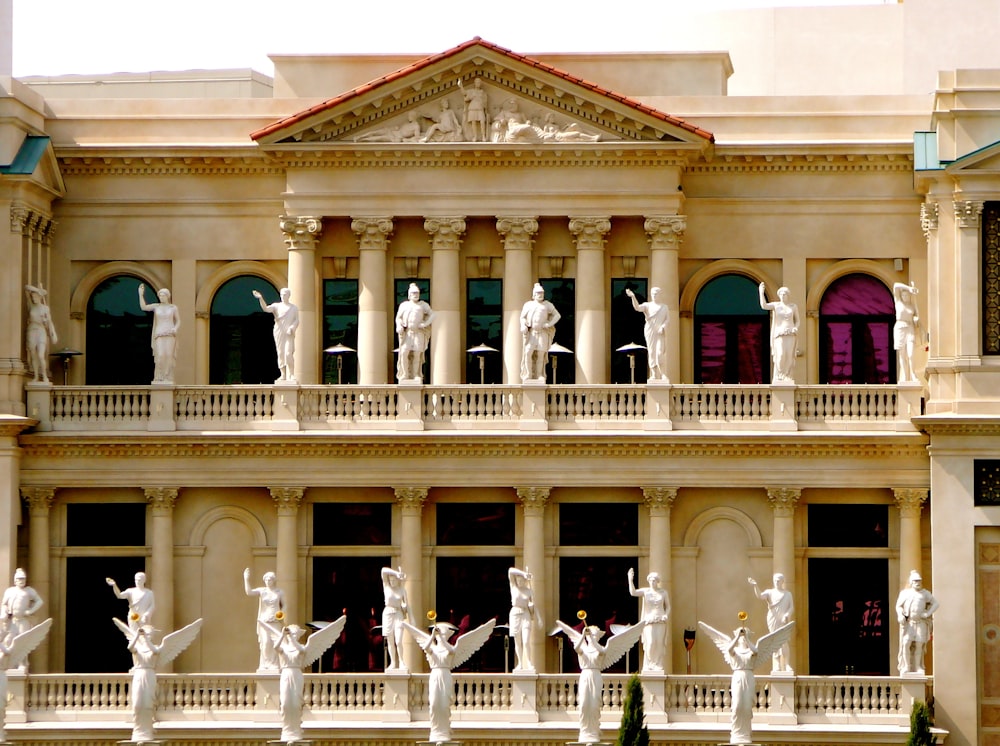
(659,499)
(967,212)
(518,232)
(533,499)
(446,233)
(373,233)
(665,231)
(589,232)
(929,213)
(38,499)
(783,500)
(411,498)
(909,501)
(161,499)
(300,232)
(287,499)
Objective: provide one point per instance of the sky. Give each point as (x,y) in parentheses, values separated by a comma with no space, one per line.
(89,37)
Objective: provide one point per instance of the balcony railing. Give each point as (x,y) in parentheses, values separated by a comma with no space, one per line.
(651,407)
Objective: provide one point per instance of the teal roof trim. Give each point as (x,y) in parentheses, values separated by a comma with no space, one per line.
(28,156)
(925,152)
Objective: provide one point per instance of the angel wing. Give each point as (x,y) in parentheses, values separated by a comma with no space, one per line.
(25,642)
(471,641)
(320,640)
(620,644)
(175,643)
(572,634)
(774,640)
(126,630)
(721,639)
(418,634)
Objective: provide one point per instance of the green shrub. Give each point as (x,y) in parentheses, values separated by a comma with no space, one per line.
(920,726)
(633,731)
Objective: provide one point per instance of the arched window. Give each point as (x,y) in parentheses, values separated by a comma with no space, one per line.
(119,351)
(855,331)
(730,332)
(240,333)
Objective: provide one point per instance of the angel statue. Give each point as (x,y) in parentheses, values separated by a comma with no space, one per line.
(293,656)
(146,656)
(743,655)
(594,658)
(12,655)
(442,656)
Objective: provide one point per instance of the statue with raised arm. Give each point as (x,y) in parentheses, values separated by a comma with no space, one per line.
(141,601)
(442,656)
(394,613)
(18,605)
(743,655)
(286,322)
(413,328)
(784,334)
(40,333)
(475,111)
(914,608)
(655,331)
(780,608)
(270,610)
(656,614)
(146,656)
(13,653)
(166,322)
(524,617)
(538,331)
(293,656)
(904,331)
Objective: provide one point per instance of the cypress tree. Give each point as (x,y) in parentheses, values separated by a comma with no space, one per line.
(633,731)
(920,726)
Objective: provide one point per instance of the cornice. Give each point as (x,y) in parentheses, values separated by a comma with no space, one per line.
(165,161)
(836,161)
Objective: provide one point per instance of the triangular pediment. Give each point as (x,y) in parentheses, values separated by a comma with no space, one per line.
(481,93)
(35,162)
(985,160)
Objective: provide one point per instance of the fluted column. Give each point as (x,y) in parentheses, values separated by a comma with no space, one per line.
(286,503)
(446,298)
(411,506)
(910,503)
(518,235)
(969,299)
(303,282)
(591,298)
(783,501)
(39,502)
(533,501)
(659,501)
(373,308)
(666,233)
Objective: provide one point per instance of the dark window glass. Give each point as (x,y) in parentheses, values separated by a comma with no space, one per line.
(986,490)
(340,326)
(351,586)
(848,525)
(562,294)
(402,289)
(484,326)
(731,333)
(352,524)
(106,524)
(119,351)
(241,335)
(856,317)
(467,524)
(471,591)
(598,524)
(627,326)
(991,278)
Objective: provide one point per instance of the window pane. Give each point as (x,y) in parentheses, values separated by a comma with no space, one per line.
(471,591)
(627,327)
(106,524)
(241,335)
(352,524)
(599,524)
(119,351)
(731,337)
(848,525)
(470,524)
(855,327)
(340,326)
(484,326)
(351,586)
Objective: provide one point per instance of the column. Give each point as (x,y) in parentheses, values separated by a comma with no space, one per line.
(659,501)
(10,478)
(666,233)
(373,315)
(411,506)
(783,501)
(533,501)
(968,263)
(446,299)
(39,502)
(303,282)
(591,299)
(518,234)
(909,502)
(286,503)
(161,502)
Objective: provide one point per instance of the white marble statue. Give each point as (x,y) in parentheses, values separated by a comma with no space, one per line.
(40,333)
(20,602)
(141,601)
(166,322)
(286,322)
(743,655)
(904,332)
(552,132)
(146,656)
(655,331)
(270,610)
(293,656)
(914,608)
(780,607)
(13,654)
(446,127)
(394,613)
(656,615)
(524,617)
(784,334)
(413,328)
(476,106)
(410,131)
(442,656)
(538,332)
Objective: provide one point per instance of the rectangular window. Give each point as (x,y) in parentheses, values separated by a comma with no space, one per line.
(352,524)
(627,326)
(340,327)
(986,490)
(598,524)
(848,525)
(471,590)
(475,524)
(484,327)
(991,278)
(106,524)
(562,294)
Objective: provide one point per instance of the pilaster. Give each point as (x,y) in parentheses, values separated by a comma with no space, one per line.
(411,507)
(533,503)
(591,298)
(286,504)
(446,297)
(909,502)
(39,501)
(518,234)
(968,327)
(658,502)
(373,307)
(783,501)
(161,501)
(666,234)
(303,282)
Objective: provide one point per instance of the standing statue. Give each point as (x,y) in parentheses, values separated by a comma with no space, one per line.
(166,322)
(286,322)
(395,612)
(538,330)
(413,328)
(742,655)
(914,608)
(655,331)
(19,604)
(904,332)
(784,334)
(270,610)
(40,333)
(594,658)
(442,656)
(141,601)
(146,656)
(293,656)
(13,654)
(655,613)
(523,617)
(780,608)
(475,111)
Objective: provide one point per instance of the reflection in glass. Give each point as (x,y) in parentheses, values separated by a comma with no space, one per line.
(731,332)
(484,326)
(241,339)
(340,326)
(856,317)
(627,326)
(119,351)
